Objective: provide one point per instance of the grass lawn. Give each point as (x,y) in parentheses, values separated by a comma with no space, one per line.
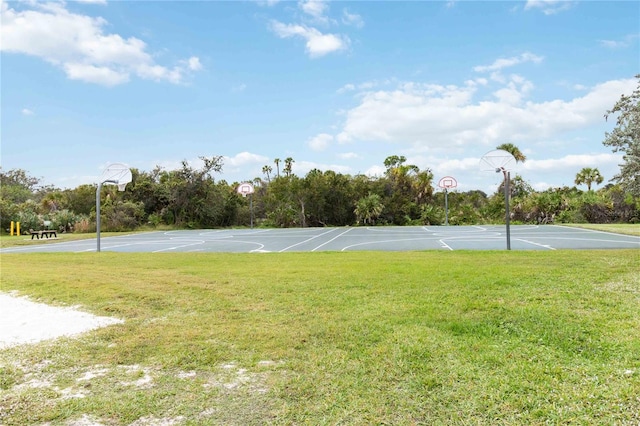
(25,240)
(434,338)
(618,228)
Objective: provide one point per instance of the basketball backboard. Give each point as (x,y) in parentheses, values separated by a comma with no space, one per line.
(447,182)
(245,189)
(497,160)
(116,174)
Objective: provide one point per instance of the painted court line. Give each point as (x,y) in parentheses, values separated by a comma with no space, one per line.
(409,238)
(307,240)
(536,244)
(333,239)
(445,245)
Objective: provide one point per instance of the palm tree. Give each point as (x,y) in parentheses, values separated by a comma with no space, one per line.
(277,162)
(517,155)
(513,150)
(288,163)
(267,171)
(422,185)
(588,176)
(368,208)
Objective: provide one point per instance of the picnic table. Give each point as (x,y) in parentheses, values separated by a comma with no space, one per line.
(45,233)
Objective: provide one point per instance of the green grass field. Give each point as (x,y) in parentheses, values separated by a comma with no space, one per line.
(618,228)
(435,338)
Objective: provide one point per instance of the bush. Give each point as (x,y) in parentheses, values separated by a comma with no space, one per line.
(121,216)
(64,220)
(84,226)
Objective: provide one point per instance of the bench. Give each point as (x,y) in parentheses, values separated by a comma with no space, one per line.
(44,233)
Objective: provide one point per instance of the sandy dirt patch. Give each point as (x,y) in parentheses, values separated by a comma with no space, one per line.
(23,321)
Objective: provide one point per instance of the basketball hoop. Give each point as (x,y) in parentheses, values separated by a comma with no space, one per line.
(115,174)
(448,182)
(497,161)
(245,189)
(503,161)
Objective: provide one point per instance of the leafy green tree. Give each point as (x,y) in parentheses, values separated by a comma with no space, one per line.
(339,199)
(285,203)
(118,216)
(145,187)
(625,138)
(80,200)
(588,176)
(316,192)
(407,189)
(368,209)
(16,188)
(193,199)
(328,198)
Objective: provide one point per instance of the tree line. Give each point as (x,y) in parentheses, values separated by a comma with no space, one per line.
(191,197)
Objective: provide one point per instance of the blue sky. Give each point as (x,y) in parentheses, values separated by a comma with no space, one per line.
(332,84)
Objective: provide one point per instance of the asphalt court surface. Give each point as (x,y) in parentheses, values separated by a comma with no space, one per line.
(491,237)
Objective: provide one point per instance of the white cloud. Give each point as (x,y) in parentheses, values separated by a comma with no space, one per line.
(94,74)
(346,88)
(439,119)
(194,63)
(92,1)
(514,91)
(78,45)
(320,142)
(573,162)
(244,159)
(502,63)
(301,168)
(315,8)
(375,171)
(27,111)
(619,44)
(549,7)
(352,19)
(367,85)
(318,44)
(442,167)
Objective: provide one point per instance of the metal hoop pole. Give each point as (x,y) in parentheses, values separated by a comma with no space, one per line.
(98,211)
(507,178)
(446,207)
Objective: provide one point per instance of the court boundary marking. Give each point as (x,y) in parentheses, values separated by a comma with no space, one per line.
(414,238)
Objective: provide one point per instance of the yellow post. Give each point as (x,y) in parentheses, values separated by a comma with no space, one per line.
(11,233)
(18,228)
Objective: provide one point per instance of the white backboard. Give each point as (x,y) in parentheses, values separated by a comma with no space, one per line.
(497,160)
(116,173)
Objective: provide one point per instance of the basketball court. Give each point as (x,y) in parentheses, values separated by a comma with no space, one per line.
(392,238)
